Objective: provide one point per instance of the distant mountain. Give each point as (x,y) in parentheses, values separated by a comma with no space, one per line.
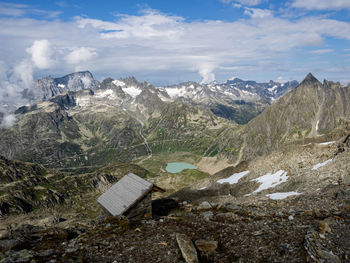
(118,120)
(235,99)
(48,87)
(311,110)
(124,119)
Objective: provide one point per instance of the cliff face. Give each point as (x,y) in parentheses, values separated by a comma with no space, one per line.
(48,87)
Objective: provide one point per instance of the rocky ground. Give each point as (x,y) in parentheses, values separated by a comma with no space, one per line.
(306,228)
(224,224)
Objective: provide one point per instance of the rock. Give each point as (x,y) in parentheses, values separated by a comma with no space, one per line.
(206,245)
(9,244)
(230,215)
(291,217)
(4,234)
(207,215)
(324,228)
(231,207)
(47,253)
(328,256)
(187,248)
(205,205)
(25,255)
(258,233)
(317,251)
(71,250)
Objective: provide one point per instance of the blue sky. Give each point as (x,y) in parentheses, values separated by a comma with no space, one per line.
(166,42)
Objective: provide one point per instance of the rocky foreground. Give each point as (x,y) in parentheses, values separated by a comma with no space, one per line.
(307,228)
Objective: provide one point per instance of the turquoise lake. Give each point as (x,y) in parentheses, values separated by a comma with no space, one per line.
(178,167)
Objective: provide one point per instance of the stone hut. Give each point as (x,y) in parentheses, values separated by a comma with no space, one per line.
(131,196)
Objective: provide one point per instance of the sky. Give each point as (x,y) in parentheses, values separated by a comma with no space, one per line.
(167,42)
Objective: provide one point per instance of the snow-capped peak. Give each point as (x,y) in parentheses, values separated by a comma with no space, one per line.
(118,83)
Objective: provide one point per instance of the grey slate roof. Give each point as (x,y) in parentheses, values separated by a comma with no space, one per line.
(124,194)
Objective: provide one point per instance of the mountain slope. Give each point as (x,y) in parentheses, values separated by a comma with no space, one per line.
(235,99)
(119,120)
(25,187)
(311,110)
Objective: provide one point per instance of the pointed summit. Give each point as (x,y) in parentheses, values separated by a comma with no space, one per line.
(310,79)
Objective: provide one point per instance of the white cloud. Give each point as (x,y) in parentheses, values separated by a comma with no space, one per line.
(244,2)
(281,79)
(257,13)
(23,73)
(8,120)
(250,2)
(81,54)
(41,54)
(150,25)
(18,10)
(157,46)
(206,72)
(322,4)
(322,51)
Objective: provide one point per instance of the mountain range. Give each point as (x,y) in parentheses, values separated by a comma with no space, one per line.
(125,119)
(272,171)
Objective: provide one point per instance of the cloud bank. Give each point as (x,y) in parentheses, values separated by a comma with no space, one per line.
(321,4)
(157,46)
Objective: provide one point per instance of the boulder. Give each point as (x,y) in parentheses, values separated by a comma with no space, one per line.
(187,248)
(205,205)
(206,245)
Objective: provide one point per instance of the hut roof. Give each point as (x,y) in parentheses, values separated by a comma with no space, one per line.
(124,194)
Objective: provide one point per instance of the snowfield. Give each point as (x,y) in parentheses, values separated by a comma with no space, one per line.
(132,91)
(233,179)
(279,196)
(271,180)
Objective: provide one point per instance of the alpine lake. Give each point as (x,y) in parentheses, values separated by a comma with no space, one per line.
(177,167)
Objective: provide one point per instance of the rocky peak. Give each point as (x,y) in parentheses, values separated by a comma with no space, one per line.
(310,79)
(48,87)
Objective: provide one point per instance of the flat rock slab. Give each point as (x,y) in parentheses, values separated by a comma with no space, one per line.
(187,248)
(206,245)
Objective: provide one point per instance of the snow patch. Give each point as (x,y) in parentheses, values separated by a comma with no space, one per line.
(273,88)
(233,179)
(163,98)
(118,83)
(132,91)
(106,93)
(319,165)
(271,180)
(327,143)
(176,92)
(279,196)
(61,86)
(247,92)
